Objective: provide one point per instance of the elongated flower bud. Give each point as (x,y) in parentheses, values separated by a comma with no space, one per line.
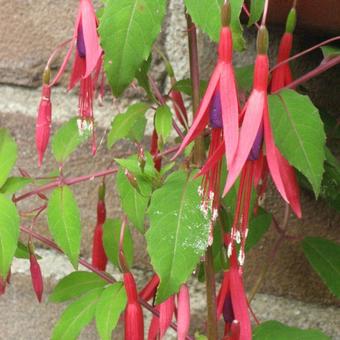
(43,122)
(154,151)
(179,107)
(154,327)
(37,280)
(166,312)
(134,322)
(99,258)
(183,312)
(149,290)
(2,286)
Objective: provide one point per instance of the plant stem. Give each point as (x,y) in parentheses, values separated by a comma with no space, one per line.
(89,266)
(198,153)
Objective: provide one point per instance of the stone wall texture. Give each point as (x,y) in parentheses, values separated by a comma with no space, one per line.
(30,29)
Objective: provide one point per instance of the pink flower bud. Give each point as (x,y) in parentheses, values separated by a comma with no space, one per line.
(99,258)
(183,313)
(37,280)
(43,123)
(150,289)
(166,311)
(154,327)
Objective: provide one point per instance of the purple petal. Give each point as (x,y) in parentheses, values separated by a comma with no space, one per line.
(255,150)
(228,312)
(80,42)
(216,111)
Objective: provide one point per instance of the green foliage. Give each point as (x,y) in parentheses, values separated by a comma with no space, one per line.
(129,125)
(256,10)
(244,77)
(207,15)
(77,316)
(74,285)
(324,256)
(185,86)
(275,330)
(111,235)
(128,29)
(178,234)
(8,155)
(9,233)
(299,134)
(64,222)
(67,139)
(111,304)
(14,184)
(142,76)
(330,51)
(22,252)
(163,124)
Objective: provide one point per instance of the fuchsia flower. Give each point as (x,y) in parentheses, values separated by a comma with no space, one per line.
(282,75)
(183,312)
(37,280)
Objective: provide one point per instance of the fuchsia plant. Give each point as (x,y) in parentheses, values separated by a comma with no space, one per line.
(190,221)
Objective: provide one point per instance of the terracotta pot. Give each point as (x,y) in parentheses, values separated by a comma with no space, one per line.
(319,16)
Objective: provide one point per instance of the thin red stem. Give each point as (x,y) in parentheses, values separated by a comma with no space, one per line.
(246,10)
(265,12)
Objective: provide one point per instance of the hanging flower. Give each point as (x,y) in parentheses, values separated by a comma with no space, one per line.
(183,312)
(37,280)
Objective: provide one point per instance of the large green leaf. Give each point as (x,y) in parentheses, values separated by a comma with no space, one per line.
(207,15)
(109,307)
(134,202)
(163,123)
(67,139)
(9,233)
(130,124)
(270,330)
(64,222)
(256,9)
(324,256)
(299,134)
(8,155)
(75,285)
(76,316)
(128,29)
(14,184)
(178,234)
(111,236)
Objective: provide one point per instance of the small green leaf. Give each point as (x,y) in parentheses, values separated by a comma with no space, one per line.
(207,15)
(111,304)
(163,122)
(22,252)
(111,235)
(324,256)
(14,184)
(133,202)
(67,139)
(74,285)
(256,10)
(9,233)
(330,51)
(128,29)
(299,134)
(8,155)
(185,86)
(130,124)
(178,234)
(64,222)
(76,316)
(275,330)
(244,77)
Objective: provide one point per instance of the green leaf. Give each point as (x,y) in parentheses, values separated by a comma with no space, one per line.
(111,236)
(244,77)
(133,202)
(258,226)
(178,234)
(207,15)
(142,76)
(275,330)
(67,139)
(185,86)
(9,233)
(324,256)
(111,304)
(14,184)
(76,316)
(299,134)
(22,252)
(64,222)
(76,284)
(8,155)
(128,29)
(330,51)
(256,10)
(130,124)
(163,122)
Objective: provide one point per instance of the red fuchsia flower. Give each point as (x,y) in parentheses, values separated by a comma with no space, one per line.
(149,291)
(37,280)
(256,128)
(99,258)
(222,84)
(43,123)
(282,75)
(183,312)
(154,150)
(232,303)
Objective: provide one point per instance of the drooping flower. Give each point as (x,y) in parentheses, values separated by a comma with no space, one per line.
(99,258)
(282,75)
(37,280)
(183,312)
(222,83)
(43,123)
(149,291)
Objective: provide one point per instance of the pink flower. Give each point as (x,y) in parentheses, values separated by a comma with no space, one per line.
(150,289)
(37,280)
(183,312)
